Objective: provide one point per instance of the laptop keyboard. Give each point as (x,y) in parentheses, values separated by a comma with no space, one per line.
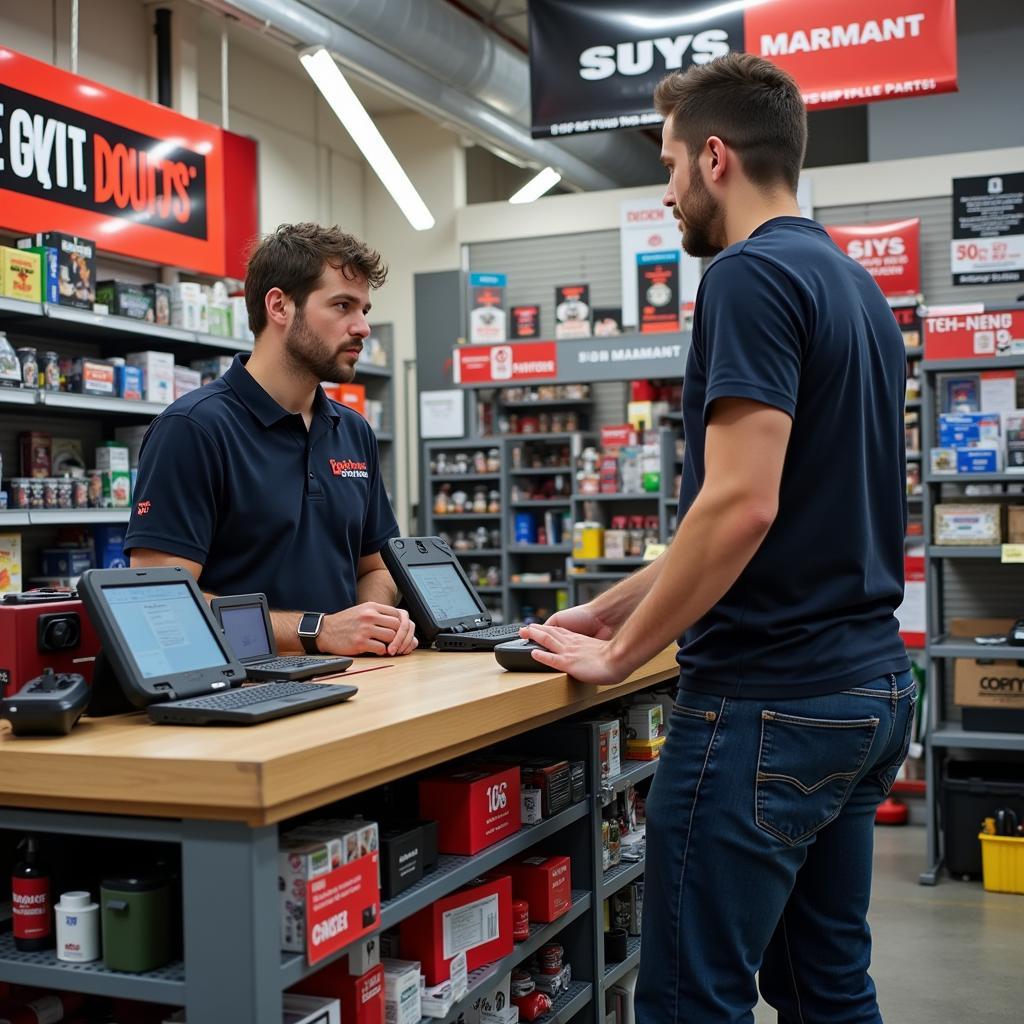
(288,663)
(509,631)
(249,695)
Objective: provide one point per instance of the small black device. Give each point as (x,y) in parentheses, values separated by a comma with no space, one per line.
(310,624)
(171,658)
(517,656)
(245,620)
(48,705)
(442,602)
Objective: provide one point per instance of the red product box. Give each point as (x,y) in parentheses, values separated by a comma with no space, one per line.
(476,920)
(361,998)
(545,883)
(474,807)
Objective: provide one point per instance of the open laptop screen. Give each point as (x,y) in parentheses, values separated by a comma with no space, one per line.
(246,631)
(443,591)
(164,630)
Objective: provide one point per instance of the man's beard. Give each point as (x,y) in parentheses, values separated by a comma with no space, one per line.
(310,354)
(702,217)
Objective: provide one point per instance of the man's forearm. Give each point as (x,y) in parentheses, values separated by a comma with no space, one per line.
(377,585)
(714,543)
(286,631)
(616,605)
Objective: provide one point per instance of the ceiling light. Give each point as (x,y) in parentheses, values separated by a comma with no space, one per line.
(357,122)
(537,186)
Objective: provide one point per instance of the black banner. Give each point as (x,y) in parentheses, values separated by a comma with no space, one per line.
(594,67)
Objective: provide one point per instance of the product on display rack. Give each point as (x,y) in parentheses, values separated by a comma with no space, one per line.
(76,266)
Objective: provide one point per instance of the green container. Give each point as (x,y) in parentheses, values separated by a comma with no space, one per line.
(136,918)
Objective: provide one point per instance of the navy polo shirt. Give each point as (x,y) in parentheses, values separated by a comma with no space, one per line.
(231,480)
(786,319)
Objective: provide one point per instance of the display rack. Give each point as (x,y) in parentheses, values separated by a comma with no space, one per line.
(981,586)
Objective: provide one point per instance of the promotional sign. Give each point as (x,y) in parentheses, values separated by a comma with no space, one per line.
(593,67)
(572,311)
(341,906)
(911,614)
(607,321)
(657,285)
(988,229)
(487,308)
(525,322)
(890,252)
(536,360)
(969,332)
(140,179)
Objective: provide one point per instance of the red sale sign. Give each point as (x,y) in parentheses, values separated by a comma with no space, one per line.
(890,252)
(968,333)
(490,364)
(342,906)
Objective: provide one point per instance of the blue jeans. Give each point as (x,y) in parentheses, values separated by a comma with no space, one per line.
(760,825)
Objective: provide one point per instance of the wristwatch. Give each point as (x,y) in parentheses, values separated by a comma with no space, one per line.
(309,629)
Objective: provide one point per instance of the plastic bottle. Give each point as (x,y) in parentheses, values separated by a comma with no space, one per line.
(32,900)
(78,928)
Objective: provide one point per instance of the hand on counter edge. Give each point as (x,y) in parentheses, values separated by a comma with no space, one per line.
(586,658)
(368,628)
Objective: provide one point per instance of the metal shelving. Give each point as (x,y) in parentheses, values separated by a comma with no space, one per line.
(540,549)
(472,478)
(953,735)
(64,516)
(950,551)
(619,876)
(613,972)
(527,503)
(632,773)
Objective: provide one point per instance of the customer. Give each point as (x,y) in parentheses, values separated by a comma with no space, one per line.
(258,483)
(795,700)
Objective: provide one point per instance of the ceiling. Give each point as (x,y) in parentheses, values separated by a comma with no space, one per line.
(507,18)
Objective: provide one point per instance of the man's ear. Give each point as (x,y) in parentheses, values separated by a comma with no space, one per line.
(719,157)
(278,306)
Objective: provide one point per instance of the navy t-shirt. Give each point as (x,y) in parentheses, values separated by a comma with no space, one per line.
(786,319)
(230,479)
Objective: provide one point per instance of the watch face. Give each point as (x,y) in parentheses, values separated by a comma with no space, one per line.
(309,624)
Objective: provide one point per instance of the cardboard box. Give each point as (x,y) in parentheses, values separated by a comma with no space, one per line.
(129,382)
(132,438)
(545,883)
(298,861)
(553,779)
(36,450)
(125,299)
(361,996)
(212,369)
(65,561)
(112,455)
(1015,524)
(493,1000)
(645,722)
(186,380)
(108,547)
(158,375)
(189,307)
(531,802)
(296,1009)
(10,563)
(476,920)
(76,266)
(401,991)
(962,429)
(21,275)
(401,858)
(474,807)
(48,273)
(160,302)
(610,746)
(964,524)
(979,460)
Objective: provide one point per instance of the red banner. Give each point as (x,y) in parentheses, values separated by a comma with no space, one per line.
(959,334)
(890,252)
(487,364)
(849,52)
(135,177)
(342,906)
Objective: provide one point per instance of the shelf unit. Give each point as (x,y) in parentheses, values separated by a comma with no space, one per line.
(959,578)
(380,387)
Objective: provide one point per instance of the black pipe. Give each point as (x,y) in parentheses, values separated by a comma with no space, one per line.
(162,31)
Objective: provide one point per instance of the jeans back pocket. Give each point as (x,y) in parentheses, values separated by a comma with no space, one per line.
(804,771)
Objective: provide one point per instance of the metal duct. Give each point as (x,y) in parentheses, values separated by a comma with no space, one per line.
(448,66)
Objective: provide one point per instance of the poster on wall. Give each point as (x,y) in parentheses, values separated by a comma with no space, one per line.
(140,179)
(657,285)
(525,322)
(593,67)
(572,311)
(890,252)
(988,229)
(487,323)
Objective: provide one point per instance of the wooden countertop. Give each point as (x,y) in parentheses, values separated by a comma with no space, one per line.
(410,713)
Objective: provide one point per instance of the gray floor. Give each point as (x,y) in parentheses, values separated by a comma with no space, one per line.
(944,955)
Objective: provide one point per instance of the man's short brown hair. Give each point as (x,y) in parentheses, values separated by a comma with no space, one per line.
(294,257)
(750,104)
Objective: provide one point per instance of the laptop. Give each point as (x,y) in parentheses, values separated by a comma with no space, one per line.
(171,658)
(245,620)
(442,602)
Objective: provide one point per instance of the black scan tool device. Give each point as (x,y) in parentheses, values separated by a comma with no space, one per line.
(48,705)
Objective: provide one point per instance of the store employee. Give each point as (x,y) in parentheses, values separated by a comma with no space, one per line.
(258,483)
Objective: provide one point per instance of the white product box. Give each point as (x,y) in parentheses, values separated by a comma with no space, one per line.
(299,860)
(186,380)
(436,1002)
(113,457)
(189,309)
(612,731)
(157,375)
(295,1009)
(239,318)
(645,722)
(401,991)
(10,563)
(494,1000)
(212,368)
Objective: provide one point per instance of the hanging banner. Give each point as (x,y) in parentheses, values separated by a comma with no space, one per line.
(971,333)
(657,285)
(890,252)
(593,67)
(137,178)
(487,322)
(988,229)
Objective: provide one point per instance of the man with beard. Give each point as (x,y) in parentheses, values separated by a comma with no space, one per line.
(795,703)
(258,483)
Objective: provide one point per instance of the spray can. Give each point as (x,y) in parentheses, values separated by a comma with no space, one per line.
(31,899)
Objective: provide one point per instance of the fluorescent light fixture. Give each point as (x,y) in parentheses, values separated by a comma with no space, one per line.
(537,186)
(357,122)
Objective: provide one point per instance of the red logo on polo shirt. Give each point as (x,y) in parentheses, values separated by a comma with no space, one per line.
(346,467)
(143,507)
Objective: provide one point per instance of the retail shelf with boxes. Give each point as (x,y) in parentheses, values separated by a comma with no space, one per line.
(972,410)
(536,409)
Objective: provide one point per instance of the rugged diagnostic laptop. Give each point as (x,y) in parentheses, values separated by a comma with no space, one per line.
(245,620)
(170,657)
(442,602)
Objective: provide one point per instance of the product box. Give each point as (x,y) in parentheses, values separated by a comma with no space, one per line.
(474,807)
(295,1009)
(962,429)
(610,747)
(239,318)
(124,299)
(21,275)
(10,563)
(990,692)
(401,991)
(553,779)
(66,456)
(300,860)
(189,308)
(76,266)
(132,438)
(578,775)
(129,382)
(494,1000)
(943,460)
(476,920)
(65,561)
(644,750)
(968,524)
(108,547)
(160,303)
(186,380)
(361,996)
(355,837)
(401,858)
(115,488)
(36,449)
(1015,524)
(364,955)
(212,369)
(531,803)
(48,273)
(91,376)
(645,722)
(978,460)
(158,375)
(545,883)
(112,455)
